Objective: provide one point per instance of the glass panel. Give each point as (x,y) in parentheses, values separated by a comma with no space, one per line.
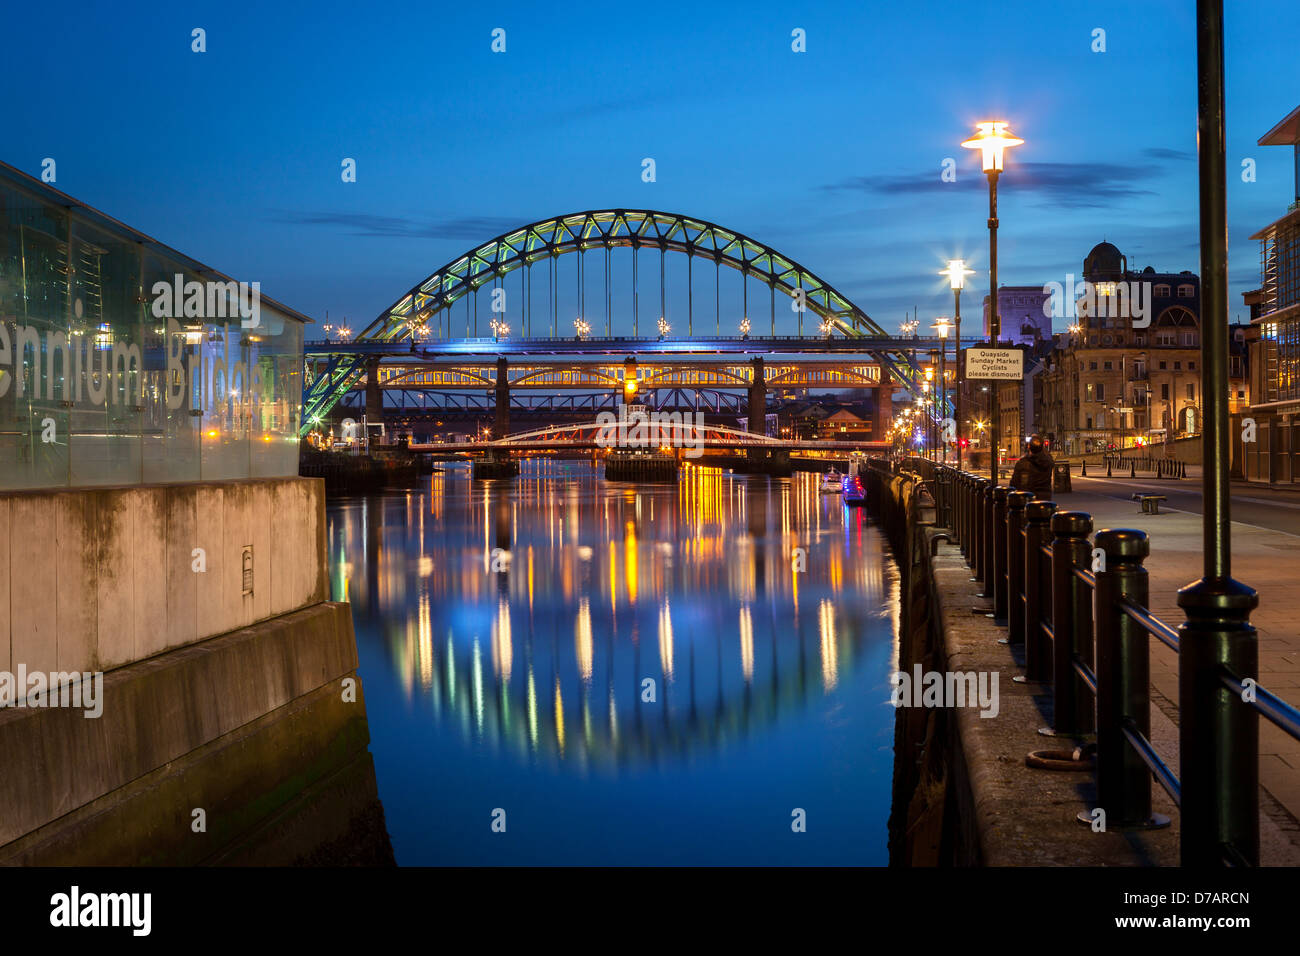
(122,362)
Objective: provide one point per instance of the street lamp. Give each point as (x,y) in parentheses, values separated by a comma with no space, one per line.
(993,140)
(957,273)
(941,327)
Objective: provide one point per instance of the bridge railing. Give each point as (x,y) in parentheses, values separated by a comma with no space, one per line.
(1077,602)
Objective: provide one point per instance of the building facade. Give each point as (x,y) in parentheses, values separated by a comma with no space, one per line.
(1275,312)
(1126,372)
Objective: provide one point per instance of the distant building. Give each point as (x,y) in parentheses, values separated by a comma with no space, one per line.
(1275,312)
(1023,318)
(1126,372)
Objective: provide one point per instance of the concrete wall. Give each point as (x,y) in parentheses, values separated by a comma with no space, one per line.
(196,727)
(98,578)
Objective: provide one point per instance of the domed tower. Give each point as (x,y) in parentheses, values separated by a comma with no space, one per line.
(1104,263)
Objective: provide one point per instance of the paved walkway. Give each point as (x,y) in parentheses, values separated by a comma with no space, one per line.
(1263,558)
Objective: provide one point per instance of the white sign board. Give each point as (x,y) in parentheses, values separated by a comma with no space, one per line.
(1006,364)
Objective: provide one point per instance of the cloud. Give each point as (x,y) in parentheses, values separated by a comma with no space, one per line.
(1160,152)
(1071,185)
(469,228)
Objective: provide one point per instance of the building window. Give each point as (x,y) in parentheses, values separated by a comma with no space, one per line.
(1186,291)
(1189,338)
(1162,291)
(1092,366)
(1164,391)
(1162,366)
(1191,366)
(1106,366)
(1191,392)
(1166,338)
(1178,366)
(1139,339)
(1087,393)
(1101,392)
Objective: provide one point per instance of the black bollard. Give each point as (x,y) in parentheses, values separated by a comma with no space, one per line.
(1123,683)
(997,578)
(1071,625)
(1038,590)
(1016,504)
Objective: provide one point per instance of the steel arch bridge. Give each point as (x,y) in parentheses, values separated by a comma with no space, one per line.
(548,239)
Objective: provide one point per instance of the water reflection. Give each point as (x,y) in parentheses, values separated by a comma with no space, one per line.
(571,626)
(503,573)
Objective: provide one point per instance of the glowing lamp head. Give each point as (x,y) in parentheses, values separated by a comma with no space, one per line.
(957,273)
(992,140)
(941,327)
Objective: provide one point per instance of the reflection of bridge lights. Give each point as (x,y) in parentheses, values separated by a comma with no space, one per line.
(830,653)
(583,641)
(666,640)
(503,650)
(746,643)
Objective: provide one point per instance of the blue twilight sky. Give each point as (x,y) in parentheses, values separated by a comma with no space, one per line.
(832,156)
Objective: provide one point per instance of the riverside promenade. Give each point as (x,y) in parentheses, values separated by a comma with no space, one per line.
(1265,543)
(1021,816)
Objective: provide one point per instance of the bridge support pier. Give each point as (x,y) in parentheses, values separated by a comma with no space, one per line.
(374,402)
(884,407)
(501,426)
(758,400)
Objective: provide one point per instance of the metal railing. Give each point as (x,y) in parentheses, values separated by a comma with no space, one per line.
(1078,603)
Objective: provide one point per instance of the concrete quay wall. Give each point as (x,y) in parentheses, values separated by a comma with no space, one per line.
(94,579)
(237,725)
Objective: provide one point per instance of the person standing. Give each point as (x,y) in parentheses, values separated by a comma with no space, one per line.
(1033,472)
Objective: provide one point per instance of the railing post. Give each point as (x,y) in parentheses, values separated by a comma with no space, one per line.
(967,534)
(997,579)
(1123,681)
(1038,650)
(1016,503)
(985,521)
(1072,704)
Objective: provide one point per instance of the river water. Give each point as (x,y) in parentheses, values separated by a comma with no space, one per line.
(562,670)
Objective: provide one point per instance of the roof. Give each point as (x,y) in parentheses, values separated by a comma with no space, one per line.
(23,181)
(1285,133)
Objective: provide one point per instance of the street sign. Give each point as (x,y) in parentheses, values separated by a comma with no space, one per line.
(1006,364)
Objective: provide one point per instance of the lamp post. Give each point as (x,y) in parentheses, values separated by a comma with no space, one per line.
(1218,742)
(934,392)
(941,327)
(993,140)
(957,273)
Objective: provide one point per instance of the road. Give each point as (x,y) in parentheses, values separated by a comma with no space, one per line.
(1267,508)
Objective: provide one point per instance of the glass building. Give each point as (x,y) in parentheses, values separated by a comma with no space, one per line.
(1275,307)
(123,361)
